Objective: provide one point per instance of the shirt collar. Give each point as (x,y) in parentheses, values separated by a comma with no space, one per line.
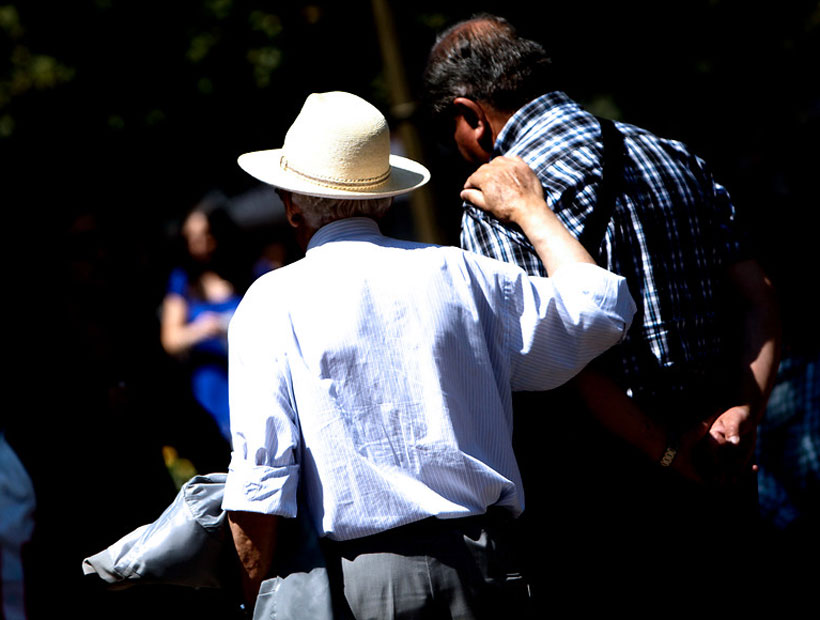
(346,229)
(520,122)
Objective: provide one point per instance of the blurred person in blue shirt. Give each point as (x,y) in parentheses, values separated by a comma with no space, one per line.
(203,291)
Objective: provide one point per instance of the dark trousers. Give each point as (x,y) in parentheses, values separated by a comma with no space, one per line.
(602,517)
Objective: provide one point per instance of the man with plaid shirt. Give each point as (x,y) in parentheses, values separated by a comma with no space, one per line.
(688,386)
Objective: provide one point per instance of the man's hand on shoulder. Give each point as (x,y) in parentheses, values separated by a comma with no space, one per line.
(507,188)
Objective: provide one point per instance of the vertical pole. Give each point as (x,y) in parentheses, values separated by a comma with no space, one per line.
(402,108)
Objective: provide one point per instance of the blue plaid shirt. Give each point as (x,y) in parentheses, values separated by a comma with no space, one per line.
(788,447)
(671,233)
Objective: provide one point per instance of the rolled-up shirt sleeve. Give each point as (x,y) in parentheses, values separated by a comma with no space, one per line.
(264,473)
(558,325)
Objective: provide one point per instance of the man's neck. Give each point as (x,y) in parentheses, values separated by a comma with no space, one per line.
(341,228)
(497,120)
(304,234)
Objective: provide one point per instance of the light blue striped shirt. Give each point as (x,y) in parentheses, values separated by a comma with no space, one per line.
(380,372)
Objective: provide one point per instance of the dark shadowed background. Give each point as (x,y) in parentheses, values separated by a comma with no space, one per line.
(117,116)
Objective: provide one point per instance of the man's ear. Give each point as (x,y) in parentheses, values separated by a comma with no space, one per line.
(473,132)
(472,112)
(292,211)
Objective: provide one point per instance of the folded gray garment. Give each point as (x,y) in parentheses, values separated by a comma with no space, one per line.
(297,596)
(190,545)
(185,546)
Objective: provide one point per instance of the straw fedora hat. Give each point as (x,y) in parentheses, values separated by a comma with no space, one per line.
(338,147)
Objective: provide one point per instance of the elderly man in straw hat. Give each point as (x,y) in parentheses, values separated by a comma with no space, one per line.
(376,374)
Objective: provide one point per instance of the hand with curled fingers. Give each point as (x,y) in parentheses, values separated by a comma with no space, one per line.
(507,188)
(731,445)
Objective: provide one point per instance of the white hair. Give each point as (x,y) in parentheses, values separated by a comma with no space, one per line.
(320,211)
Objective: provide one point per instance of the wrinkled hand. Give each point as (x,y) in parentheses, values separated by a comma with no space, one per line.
(507,188)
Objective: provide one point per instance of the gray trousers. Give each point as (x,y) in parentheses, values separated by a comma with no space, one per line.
(463,568)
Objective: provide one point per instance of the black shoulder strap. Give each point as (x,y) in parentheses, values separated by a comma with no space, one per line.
(611,182)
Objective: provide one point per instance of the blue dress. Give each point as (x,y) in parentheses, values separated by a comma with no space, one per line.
(209,358)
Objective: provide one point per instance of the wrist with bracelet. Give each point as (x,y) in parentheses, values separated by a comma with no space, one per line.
(671,450)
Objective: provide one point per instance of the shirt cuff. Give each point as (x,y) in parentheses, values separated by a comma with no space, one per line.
(262,489)
(604,289)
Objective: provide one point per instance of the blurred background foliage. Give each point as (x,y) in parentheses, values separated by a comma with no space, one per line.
(135,109)
(117,116)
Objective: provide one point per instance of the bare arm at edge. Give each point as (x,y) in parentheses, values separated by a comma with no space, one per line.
(735,430)
(254,537)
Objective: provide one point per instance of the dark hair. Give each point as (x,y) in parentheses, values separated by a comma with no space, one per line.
(230,258)
(485,59)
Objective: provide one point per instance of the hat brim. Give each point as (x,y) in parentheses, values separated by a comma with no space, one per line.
(405,176)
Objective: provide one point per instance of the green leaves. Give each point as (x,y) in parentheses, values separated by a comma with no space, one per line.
(26,70)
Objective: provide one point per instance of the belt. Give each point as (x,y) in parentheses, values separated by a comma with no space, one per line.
(471,526)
